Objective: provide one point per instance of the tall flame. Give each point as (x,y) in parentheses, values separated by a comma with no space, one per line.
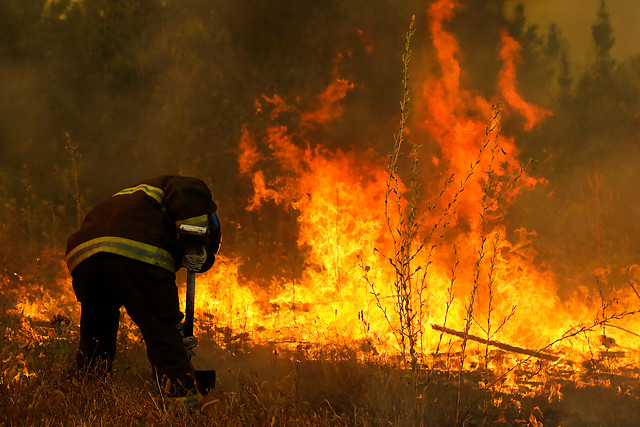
(344,233)
(329,108)
(509,55)
(488,286)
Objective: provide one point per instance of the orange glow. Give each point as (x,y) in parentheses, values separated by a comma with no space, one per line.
(510,56)
(327,108)
(446,47)
(343,232)
(249,155)
(339,199)
(261,192)
(456,117)
(366,42)
(278,105)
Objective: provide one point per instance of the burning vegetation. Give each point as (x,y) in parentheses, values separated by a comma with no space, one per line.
(441,284)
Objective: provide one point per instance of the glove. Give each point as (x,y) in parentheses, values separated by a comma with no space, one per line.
(190,343)
(194,258)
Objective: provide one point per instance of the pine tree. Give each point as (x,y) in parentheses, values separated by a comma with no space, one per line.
(602,33)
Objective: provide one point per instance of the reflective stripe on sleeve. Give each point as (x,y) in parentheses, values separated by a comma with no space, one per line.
(125,247)
(200,221)
(154,192)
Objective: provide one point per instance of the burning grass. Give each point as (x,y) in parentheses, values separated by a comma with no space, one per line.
(410,307)
(289,382)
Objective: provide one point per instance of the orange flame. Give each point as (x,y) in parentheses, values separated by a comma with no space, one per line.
(344,234)
(510,56)
(456,118)
(249,155)
(328,108)
(340,200)
(261,193)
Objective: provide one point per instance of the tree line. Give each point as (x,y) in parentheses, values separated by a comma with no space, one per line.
(98,94)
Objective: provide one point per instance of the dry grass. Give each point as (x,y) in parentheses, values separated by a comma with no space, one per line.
(266,385)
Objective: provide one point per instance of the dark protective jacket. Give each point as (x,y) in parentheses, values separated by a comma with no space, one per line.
(141,223)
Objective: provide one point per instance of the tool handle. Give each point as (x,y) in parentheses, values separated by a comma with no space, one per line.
(191,298)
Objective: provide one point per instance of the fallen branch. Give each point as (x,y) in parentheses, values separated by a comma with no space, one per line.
(498,344)
(623,329)
(634,289)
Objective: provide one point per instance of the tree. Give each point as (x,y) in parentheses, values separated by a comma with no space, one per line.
(602,32)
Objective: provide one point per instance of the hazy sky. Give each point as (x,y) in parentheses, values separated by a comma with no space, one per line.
(575,18)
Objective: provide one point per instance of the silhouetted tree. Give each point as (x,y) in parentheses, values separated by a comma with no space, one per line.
(602,32)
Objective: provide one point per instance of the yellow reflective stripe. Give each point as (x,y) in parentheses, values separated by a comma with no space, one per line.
(156,193)
(119,245)
(200,221)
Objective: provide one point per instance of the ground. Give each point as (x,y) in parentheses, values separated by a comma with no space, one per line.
(290,383)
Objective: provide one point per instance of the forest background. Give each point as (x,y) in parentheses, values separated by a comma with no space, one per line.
(98,95)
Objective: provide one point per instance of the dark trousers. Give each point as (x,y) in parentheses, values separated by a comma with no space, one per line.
(105,282)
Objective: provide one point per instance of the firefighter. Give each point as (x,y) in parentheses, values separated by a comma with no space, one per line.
(126,253)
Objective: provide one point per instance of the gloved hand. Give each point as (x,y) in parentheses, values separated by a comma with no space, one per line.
(194,258)
(190,343)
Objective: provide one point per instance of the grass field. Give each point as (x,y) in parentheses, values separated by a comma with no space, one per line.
(292,383)
(259,385)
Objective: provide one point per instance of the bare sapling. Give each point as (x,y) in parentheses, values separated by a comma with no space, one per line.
(74,157)
(491,135)
(411,236)
(401,233)
(27,210)
(493,191)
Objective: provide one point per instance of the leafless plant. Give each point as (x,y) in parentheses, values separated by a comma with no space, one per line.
(75,159)
(27,211)
(411,236)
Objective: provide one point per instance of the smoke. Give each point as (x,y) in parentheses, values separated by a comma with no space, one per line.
(575,21)
(145,88)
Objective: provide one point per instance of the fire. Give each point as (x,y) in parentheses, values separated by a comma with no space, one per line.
(509,55)
(328,108)
(249,155)
(35,298)
(456,118)
(324,188)
(488,286)
(343,231)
